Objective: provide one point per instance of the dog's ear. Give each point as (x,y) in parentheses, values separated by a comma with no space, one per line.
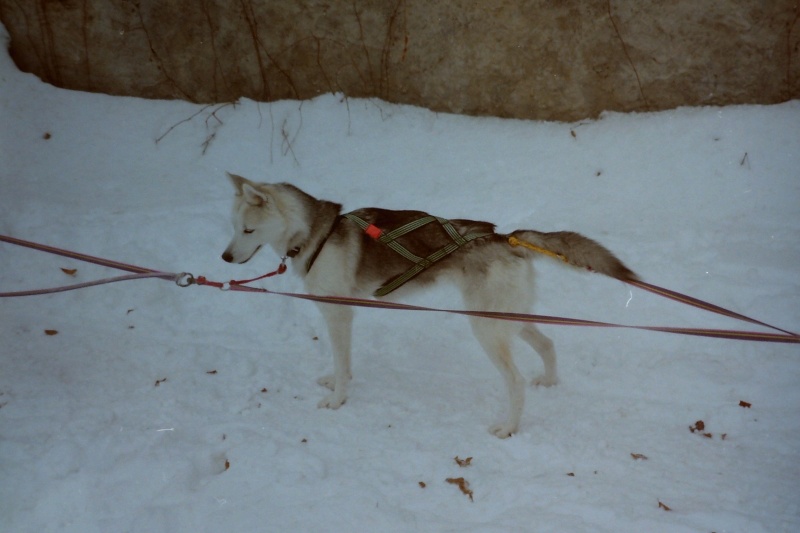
(245,187)
(253,196)
(237,182)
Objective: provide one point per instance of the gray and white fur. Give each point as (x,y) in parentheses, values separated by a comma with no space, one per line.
(336,257)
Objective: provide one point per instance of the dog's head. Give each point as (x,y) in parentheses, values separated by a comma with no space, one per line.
(256,219)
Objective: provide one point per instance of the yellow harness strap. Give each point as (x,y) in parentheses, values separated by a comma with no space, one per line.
(513,241)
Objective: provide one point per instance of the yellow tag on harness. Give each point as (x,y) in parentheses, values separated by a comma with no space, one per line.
(513,241)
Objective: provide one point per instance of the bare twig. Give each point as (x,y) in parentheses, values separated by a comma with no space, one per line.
(217,65)
(214,113)
(287,142)
(349,119)
(259,48)
(627,55)
(212,127)
(207,142)
(49,60)
(364,44)
(271,133)
(319,64)
(213,135)
(250,17)
(157,57)
(745,162)
(383,82)
(181,122)
(288,139)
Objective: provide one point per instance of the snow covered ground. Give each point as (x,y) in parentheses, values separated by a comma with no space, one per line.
(152,408)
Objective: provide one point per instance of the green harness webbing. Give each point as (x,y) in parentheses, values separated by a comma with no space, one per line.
(420,263)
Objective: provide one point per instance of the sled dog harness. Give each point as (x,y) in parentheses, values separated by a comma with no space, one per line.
(420,263)
(310,263)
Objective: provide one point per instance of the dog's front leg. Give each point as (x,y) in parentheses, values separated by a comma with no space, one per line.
(339,320)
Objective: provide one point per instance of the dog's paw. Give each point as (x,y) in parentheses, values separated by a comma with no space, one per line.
(503,431)
(544,381)
(327,381)
(332,401)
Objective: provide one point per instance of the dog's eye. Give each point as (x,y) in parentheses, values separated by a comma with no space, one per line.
(248,231)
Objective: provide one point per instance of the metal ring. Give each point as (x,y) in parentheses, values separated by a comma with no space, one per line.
(184,279)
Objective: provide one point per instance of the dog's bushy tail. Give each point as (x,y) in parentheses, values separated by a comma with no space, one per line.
(575,249)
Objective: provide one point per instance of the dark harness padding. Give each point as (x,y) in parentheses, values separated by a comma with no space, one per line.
(389,238)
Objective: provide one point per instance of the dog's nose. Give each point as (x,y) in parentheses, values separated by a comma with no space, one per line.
(227,257)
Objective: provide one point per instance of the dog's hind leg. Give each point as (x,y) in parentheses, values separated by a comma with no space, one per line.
(495,340)
(544,347)
(503,285)
(339,320)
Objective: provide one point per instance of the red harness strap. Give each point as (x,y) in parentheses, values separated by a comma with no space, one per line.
(202,280)
(373,231)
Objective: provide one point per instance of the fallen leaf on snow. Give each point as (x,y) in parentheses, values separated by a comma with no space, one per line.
(463,484)
(638,456)
(698,426)
(69,271)
(463,462)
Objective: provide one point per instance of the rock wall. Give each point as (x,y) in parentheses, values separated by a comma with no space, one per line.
(536,59)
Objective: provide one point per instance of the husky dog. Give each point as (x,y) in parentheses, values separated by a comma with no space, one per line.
(374,251)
